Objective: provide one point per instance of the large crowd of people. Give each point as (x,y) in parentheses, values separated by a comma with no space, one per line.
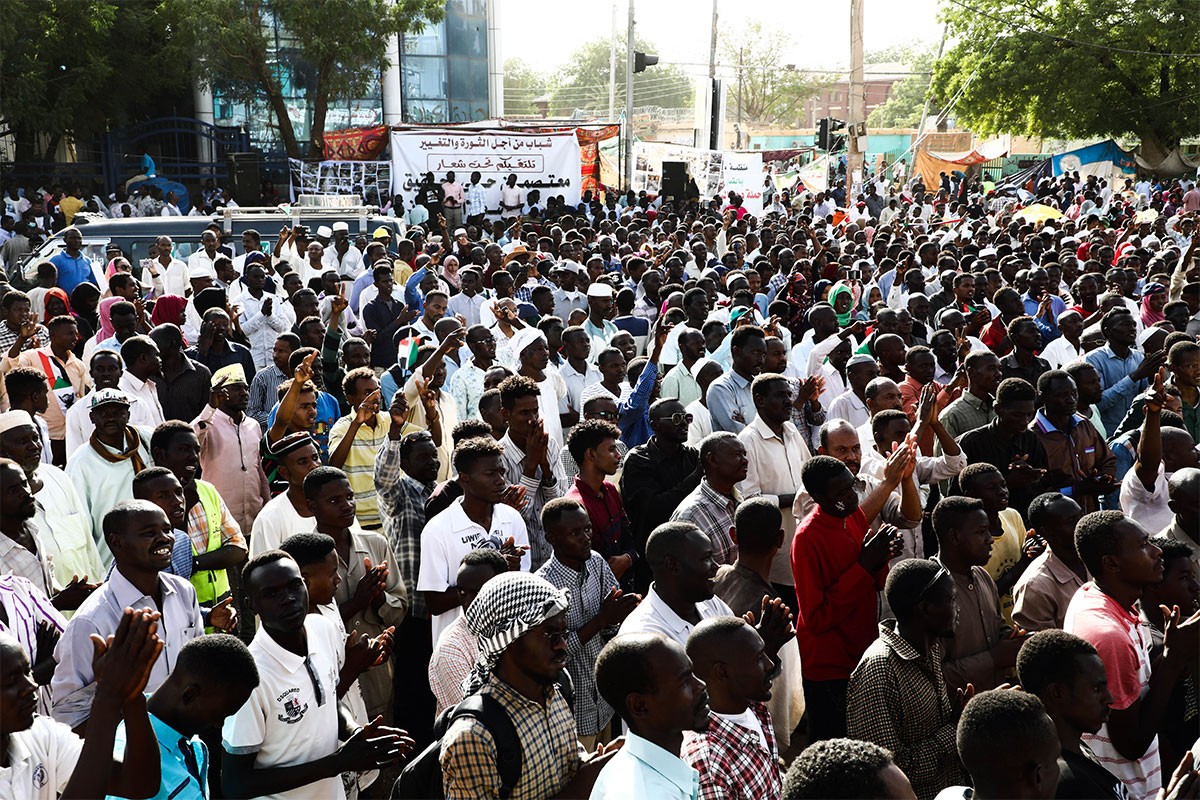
(642,497)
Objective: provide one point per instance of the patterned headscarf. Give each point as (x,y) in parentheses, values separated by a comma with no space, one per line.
(505,609)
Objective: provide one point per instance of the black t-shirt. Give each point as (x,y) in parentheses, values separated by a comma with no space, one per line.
(1082,778)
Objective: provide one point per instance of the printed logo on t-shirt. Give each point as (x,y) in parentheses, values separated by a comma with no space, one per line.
(39,776)
(293,709)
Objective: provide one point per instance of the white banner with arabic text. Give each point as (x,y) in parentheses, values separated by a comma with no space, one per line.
(548,162)
(744,175)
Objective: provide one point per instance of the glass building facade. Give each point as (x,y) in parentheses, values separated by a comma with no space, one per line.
(444,78)
(444,67)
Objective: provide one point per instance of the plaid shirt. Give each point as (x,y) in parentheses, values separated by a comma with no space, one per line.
(550,748)
(712,512)
(586,591)
(731,760)
(898,699)
(476,203)
(402,506)
(524,294)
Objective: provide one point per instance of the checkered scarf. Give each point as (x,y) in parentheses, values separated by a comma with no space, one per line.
(505,609)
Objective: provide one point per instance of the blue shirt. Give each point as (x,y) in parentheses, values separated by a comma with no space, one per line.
(328,412)
(1119,389)
(1057,307)
(727,395)
(183,761)
(72,271)
(633,413)
(643,769)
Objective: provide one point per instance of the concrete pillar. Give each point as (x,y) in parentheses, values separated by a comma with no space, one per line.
(495,62)
(393,96)
(202,98)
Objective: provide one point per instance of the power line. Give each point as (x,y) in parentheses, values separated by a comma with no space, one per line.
(1057,38)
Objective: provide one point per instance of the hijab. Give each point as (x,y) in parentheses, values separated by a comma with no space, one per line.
(168,308)
(61,295)
(1149,315)
(106,330)
(844,318)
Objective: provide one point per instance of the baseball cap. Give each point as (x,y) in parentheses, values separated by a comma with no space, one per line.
(105,396)
(381,233)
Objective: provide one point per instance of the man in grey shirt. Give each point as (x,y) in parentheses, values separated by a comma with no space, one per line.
(729,398)
(141,538)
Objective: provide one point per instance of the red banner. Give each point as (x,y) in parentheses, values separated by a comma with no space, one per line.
(356,144)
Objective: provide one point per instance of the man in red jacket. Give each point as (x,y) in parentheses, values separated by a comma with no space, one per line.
(838,571)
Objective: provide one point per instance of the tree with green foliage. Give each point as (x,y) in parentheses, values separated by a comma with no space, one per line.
(77,68)
(583,81)
(336,49)
(1074,70)
(522,84)
(907,97)
(770,91)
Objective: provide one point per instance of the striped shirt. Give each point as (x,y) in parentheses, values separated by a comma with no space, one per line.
(360,463)
(1123,642)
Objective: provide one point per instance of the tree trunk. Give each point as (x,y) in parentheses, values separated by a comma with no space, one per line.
(287,133)
(1155,145)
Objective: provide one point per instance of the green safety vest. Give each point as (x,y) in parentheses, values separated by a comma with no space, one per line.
(211,584)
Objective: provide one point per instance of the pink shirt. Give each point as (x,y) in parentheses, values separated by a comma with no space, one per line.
(1123,642)
(229,461)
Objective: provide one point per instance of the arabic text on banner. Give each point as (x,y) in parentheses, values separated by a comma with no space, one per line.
(549,162)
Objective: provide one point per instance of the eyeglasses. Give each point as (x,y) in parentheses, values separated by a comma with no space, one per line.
(680,417)
(603,414)
(555,637)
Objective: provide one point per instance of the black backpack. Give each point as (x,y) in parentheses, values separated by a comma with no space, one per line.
(421,778)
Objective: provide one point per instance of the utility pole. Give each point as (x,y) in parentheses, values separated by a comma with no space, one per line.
(741,75)
(629,101)
(612,66)
(711,94)
(857,105)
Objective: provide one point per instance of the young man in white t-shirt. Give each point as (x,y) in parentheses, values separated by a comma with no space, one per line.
(286,741)
(288,512)
(480,518)
(41,759)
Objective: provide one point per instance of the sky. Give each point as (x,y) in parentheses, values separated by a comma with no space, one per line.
(544,33)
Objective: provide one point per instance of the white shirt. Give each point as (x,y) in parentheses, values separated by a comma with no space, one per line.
(653,615)
(701,424)
(278,520)
(1061,352)
(101,484)
(286,721)
(74,684)
(65,528)
(262,329)
(576,382)
(1148,508)
(175,278)
(451,535)
(79,422)
(773,469)
(847,406)
(147,411)
(201,266)
(41,761)
(466,307)
(348,266)
(513,197)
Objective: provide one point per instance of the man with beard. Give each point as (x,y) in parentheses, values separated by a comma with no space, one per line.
(139,536)
(103,469)
(736,755)
(228,439)
(897,696)
(64,527)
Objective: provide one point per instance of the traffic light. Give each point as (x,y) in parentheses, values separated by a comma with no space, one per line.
(642,60)
(823,133)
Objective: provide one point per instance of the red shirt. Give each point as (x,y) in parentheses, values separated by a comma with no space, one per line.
(839,609)
(607,514)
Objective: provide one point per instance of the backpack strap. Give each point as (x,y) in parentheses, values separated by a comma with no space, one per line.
(509,755)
